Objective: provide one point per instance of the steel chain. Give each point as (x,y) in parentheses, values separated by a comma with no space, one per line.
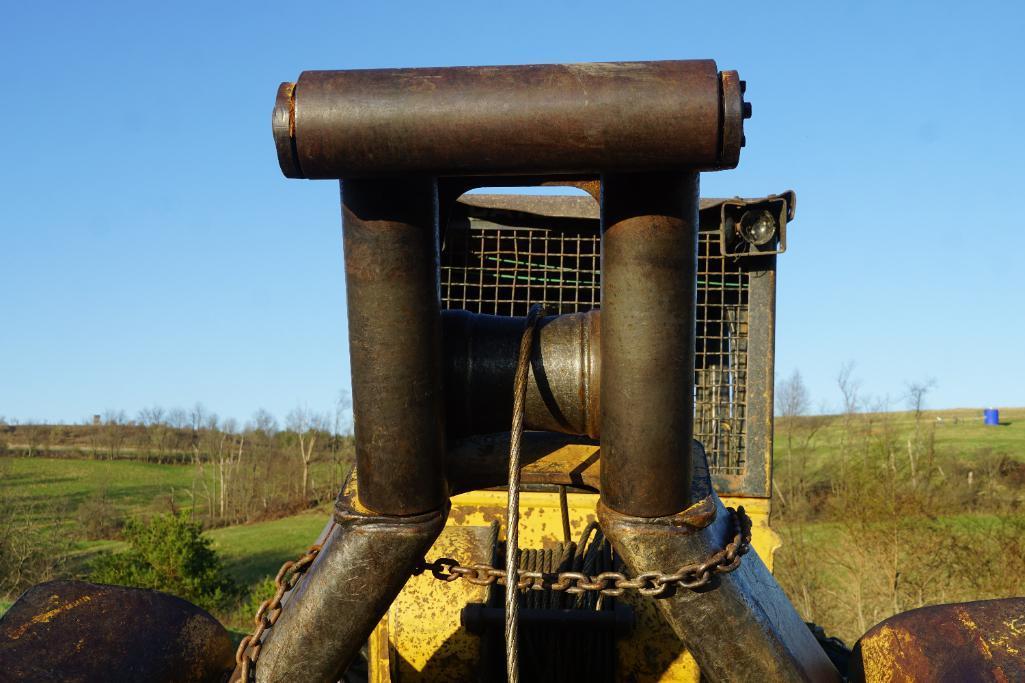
(690,576)
(267,615)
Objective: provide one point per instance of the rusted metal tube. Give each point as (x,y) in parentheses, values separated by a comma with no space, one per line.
(364,562)
(551,118)
(391,274)
(741,627)
(562,386)
(649,271)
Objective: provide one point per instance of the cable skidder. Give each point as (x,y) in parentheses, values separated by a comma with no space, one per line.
(406,144)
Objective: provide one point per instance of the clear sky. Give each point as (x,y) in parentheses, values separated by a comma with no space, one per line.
(152,253)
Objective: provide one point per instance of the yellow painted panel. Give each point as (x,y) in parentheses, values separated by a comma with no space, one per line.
(421,638)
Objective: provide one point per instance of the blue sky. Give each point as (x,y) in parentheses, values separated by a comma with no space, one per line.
(152,253)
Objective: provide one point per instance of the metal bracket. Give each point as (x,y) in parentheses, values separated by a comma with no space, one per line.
(737,216)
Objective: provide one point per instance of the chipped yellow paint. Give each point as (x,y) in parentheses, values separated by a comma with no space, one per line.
(379,653)
(1015,630)
(424,624)
(972,628)
(1003,642)
(966,620)
(985,639)
(49,615)
(421,637)
(540,515)
(1007,639)
(877,655)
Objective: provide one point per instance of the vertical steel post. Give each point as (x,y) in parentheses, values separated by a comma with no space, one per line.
(392,516)
(390,235)
(649,226)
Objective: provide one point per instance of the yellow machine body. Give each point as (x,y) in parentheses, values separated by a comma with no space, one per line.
(421,638)
(490,256)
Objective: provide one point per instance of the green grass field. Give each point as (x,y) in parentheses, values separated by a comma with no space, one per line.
(959,432)
(50,485)
(252,552)
(54,488)
(963,429)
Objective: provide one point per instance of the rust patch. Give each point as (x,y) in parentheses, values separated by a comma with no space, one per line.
(970,641)
(75,631)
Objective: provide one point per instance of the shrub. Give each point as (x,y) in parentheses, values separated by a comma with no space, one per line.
(170,553)
(258,593)
(29,552)
(100,519)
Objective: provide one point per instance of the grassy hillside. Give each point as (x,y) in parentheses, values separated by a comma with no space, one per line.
(253,552)
(966,493)
(960,431)
(58,495)
(47,485)
(881,513)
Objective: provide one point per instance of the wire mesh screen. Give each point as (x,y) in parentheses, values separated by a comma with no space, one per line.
(720,356)
(503,269)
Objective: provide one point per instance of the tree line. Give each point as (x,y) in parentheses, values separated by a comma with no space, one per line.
(256,470)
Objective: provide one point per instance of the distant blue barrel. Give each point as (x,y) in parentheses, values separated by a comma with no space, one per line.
(991,416)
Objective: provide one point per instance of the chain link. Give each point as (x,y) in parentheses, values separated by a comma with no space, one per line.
(267,615)
(691,576)
(654,584)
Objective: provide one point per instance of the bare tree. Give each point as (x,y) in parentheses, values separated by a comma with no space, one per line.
(343,405)
(229,455)
(30,553)
(209,444)
(850,393)
(341,438)
(198,417)
(915,393)
(264,422)
(850,389)
(151,416)
(262,430)
(177,418)
(115,426)
(791,401)
(157,432)
(306,425)
(792,396)
(918,444)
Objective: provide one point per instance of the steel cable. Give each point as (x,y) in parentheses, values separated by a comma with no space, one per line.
(512,516)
